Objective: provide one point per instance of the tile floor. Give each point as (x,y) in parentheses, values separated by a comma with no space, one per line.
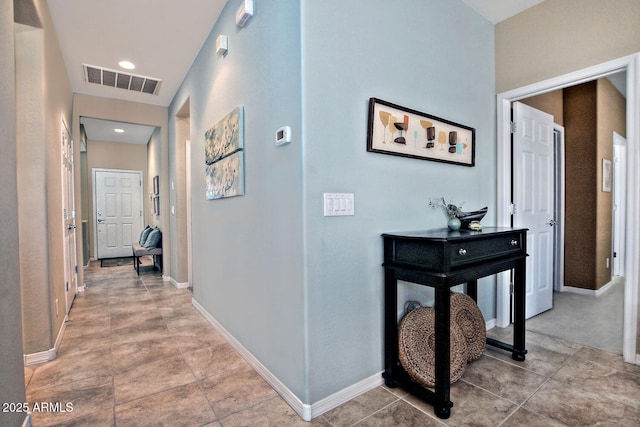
(136,353)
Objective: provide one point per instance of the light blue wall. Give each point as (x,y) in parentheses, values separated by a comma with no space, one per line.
(247,251)
(435,56)
(300,291)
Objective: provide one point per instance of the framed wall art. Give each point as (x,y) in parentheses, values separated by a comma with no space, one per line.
(224,156)
(606,175)
(401,131)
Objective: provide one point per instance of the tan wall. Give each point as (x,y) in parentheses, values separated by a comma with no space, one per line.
(580,120)
(113,155)
(556,37)
(11,368)
(44,102)
(550,102)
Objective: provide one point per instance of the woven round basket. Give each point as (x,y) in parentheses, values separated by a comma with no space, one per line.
(416,342)
(466,314)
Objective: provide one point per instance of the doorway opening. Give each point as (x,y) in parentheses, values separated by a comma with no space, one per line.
(181,198)
(629,64)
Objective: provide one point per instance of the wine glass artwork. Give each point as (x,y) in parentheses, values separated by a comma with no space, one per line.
(392,120)
(442,139)
(453,142)
(429,133)
(402,126)
(384,118)
(431,136)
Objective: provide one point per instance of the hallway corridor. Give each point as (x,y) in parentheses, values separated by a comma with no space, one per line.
(137,353)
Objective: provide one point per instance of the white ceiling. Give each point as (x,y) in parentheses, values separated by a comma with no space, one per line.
(104,130)
(162,37)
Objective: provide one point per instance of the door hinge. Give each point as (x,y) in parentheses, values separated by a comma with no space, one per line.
(513,127)
(513,209)
(66,284)
(511,288)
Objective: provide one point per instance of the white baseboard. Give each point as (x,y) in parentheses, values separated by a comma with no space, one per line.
(306,411)
(490,324)
(346,394)
(47,355)
(588,292)
(179,285)
(166,278)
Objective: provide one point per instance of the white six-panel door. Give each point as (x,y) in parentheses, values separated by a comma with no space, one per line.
(68,219)
(533,196)
(118,212)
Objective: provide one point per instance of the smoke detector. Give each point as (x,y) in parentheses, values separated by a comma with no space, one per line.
(244,13)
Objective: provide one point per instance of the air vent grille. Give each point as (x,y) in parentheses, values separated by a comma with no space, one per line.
(113,78)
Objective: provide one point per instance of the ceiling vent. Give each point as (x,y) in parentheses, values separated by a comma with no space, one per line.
(112,78)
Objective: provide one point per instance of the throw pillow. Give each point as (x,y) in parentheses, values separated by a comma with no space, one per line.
(153,239)
(144,235)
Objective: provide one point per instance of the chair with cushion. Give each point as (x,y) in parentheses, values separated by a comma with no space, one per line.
(150,243)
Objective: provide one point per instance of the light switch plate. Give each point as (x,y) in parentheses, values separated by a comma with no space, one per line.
(339,204)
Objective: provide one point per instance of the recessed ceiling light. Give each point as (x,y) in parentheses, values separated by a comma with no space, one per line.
(118,130)
(126,65)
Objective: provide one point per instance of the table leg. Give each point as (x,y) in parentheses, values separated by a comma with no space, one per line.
(472,289)
(442,405)
(519,292)
(390,327)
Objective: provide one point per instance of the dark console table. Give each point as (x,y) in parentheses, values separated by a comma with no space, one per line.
(442,259)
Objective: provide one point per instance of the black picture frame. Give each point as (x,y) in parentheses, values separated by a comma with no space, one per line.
(418,135)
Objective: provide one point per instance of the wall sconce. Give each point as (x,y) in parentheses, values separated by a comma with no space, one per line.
(222,44)
(244,13)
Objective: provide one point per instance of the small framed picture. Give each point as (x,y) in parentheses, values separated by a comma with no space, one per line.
(606,175)
(156,205)
(156,185)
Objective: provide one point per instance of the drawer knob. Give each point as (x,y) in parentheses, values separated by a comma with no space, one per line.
(462,251)
(514,243)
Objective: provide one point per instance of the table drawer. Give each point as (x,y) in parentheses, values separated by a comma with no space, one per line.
(470,251)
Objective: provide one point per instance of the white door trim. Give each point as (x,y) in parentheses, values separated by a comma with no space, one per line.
(558,274)
(630,64)
(619,199)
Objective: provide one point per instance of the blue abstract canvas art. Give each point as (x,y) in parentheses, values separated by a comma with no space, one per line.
(224,156)
(225,178)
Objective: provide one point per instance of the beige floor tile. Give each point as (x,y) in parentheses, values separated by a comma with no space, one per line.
(362,406)
(214,360)
(503,379)
(72,368)
(85,397)
(239,390)
(573,406)
(179,406)
(399,414)
(273,412)
(525,418)
(601,381)
(151,377)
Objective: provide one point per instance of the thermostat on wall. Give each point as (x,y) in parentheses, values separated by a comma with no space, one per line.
(283,135)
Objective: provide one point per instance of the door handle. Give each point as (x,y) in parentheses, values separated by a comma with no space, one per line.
(100,220)
(552,222)
(71,226)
